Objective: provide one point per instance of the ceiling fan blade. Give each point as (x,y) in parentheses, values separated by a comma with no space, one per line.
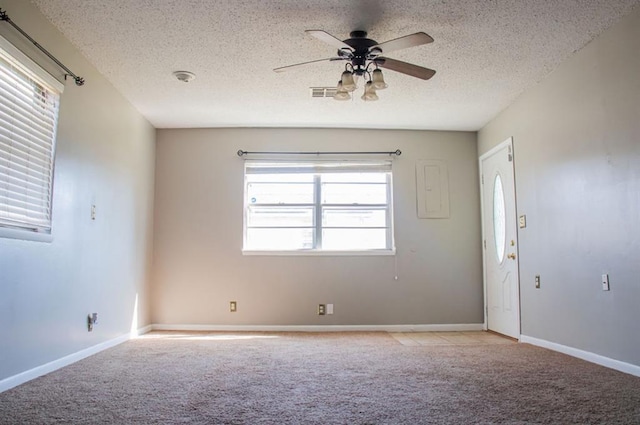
(412,40)
(286,68)
(329,39)
(405,68)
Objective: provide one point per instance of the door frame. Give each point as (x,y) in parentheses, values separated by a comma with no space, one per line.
(492,151)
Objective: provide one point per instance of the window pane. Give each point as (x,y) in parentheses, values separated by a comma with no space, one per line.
(28,116)
(354,178)
(353,217)
(280,178)
(347,239)
(317,205)
(279,239)
(345,193)
(280,193)
(279,217)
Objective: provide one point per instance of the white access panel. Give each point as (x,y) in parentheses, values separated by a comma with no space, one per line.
(432,184)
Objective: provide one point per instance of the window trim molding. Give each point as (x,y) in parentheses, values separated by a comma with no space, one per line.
(311,253)
(391,251)
(25,234)
(28,66)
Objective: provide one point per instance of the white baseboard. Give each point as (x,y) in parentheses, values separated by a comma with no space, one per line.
(584,355)
(141,331)
(321,328)
(21,378)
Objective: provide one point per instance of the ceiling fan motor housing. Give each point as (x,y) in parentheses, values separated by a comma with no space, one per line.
(362,51)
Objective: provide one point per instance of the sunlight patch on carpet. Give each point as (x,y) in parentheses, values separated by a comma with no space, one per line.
(204,337)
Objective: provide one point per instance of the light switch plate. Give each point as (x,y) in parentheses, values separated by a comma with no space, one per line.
(605,282)
(522,221)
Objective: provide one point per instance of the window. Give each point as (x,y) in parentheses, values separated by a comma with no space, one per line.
(29,99)
(318,206)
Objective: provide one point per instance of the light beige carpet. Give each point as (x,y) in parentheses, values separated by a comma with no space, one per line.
(330,378)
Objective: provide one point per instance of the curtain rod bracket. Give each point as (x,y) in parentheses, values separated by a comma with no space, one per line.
(397,152)
(78,80)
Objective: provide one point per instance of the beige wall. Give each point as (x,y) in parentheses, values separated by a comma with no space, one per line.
(105,156)
(577,157)
(199,267)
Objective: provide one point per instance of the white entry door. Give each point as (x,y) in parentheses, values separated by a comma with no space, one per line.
(499,227)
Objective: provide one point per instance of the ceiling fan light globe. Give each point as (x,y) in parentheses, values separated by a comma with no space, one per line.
(378,80)
(341,95)
(369,97)
(348,82)
(370,94)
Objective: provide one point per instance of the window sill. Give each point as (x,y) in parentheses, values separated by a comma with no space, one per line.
(323,253)
(25,235)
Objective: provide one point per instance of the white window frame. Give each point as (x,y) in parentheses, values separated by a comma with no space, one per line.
(318,207)
(21,228)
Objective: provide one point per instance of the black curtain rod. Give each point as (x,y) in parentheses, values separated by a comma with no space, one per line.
(397,152)
(79,80)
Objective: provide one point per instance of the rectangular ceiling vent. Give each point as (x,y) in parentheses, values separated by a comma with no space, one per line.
(323,91)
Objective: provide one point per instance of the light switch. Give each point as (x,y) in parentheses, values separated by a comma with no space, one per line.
(522,221)
(93,212)
(605,282)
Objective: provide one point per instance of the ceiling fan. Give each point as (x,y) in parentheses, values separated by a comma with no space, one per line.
(364,59)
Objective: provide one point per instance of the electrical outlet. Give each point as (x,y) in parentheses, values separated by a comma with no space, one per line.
(233,306)
(322,310)
(92,319)
(537,281)
(605,282)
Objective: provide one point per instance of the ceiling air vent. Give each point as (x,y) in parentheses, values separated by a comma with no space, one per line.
(323,91)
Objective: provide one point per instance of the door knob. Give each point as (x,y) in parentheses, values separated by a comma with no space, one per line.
(512,256)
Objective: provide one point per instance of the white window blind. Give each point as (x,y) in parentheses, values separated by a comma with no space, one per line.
(29,99)
(318,206)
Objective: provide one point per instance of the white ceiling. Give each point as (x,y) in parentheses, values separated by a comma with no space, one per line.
(486,52)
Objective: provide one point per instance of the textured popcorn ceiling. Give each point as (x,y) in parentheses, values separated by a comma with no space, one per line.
(486,52)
